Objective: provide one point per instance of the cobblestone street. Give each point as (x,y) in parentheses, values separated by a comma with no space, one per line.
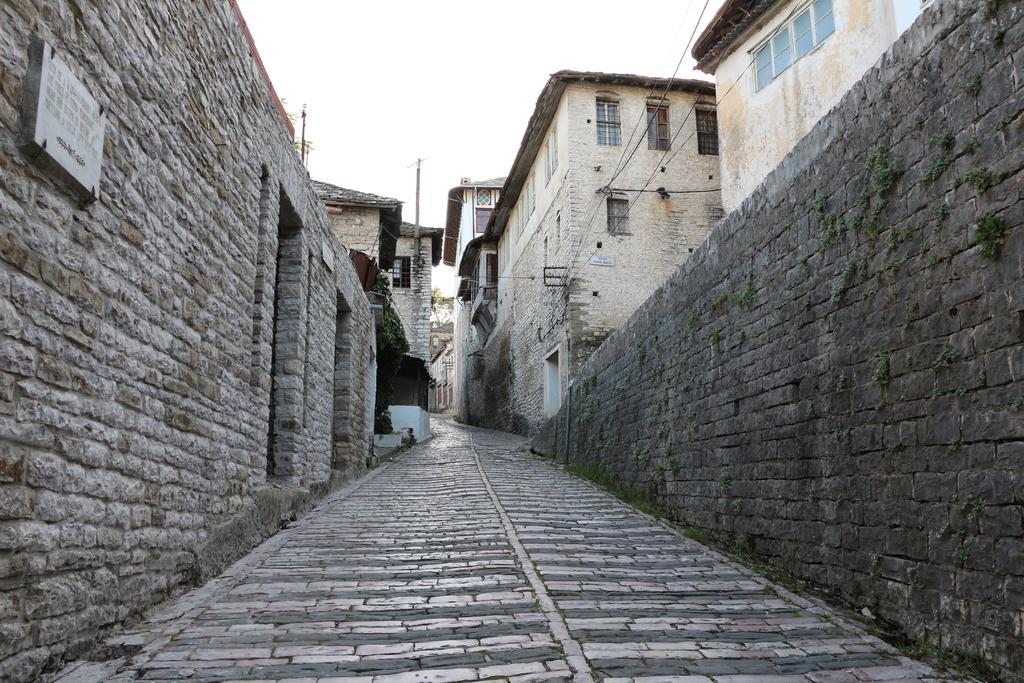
(468,559)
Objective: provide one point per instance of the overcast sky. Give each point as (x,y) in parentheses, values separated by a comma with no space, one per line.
(452,82)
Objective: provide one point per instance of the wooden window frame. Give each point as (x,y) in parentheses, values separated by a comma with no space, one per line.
(401,273)
(707,130)
(658,132)
(618,223)
(608,124)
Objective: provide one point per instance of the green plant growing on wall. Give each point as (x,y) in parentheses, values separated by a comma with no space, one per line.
(746,296)
(882,375)
(941,212)
(982,179)
(972,85)
(883,173)
(832,226)
(1017,403)
(391,348)
(990,235)
(947,355)
(640,351)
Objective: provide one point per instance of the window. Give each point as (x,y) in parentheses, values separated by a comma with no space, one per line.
(482,216)
(802,35)
(492,270)
(793,41)
(657,126)
(824,20)
(401,272)
(551,158)
(618,216)
(781,51)
(707,131)
(608,124)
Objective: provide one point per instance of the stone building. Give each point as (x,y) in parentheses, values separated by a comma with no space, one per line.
(177,355)
(363,222)
(372,225)
(785,64)
(470,205)
(417,251)
(614,184)
(442,368)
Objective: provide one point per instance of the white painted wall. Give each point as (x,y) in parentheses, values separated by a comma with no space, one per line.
(403,417)
(758,128)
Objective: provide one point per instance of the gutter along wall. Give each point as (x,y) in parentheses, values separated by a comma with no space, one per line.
(833,380)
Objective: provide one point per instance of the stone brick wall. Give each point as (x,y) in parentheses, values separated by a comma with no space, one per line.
(833,379)
(358,227)
(413,302)
(138,407)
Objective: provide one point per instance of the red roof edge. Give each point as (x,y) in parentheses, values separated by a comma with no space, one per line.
(263,70)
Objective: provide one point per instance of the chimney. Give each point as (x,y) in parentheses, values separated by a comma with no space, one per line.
(464,181)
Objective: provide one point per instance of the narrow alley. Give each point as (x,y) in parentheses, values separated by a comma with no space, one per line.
(466,558)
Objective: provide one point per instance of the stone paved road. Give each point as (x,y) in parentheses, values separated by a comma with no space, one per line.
(467,559)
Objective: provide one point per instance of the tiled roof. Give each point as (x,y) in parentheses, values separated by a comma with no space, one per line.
(731,20)
(332,194)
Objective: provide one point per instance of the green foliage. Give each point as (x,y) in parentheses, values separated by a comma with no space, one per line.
(873,562)
(1017,403)
(882,172)
(391,347)
(832,226)
(982,179)
(991,234)
(941,212)
(972,85)
(882,374)
(746,296)
(947,355)
(641,352)
(600,475)
(946,140)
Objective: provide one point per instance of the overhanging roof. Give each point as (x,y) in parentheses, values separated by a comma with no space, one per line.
(435,235)
(533,137)
(729,22)
(453,216)
(390,214)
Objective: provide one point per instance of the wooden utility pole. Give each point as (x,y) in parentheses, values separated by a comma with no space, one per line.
(419,163)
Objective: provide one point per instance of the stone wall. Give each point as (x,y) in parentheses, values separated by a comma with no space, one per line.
(138,334)
(833,379)
(413,302)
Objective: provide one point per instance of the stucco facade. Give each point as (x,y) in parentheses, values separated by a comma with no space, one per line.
(565,281)
(759,121)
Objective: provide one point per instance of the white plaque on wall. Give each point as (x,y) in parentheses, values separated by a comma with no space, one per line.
(602,260)
(62,125)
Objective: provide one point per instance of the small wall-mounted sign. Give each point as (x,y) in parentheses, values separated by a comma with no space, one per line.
(62,125)
(602,260)
(327,255)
